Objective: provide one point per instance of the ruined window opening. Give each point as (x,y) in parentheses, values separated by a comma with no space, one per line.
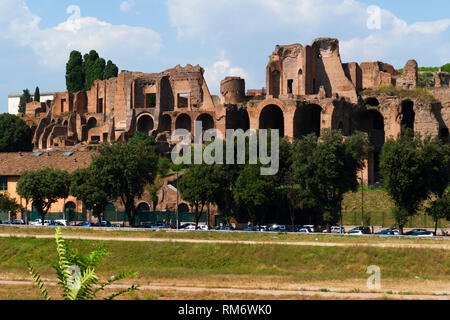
(290,86)
(183,100)
(408,114)
(100,106)
(95,138)
(105,137)
(150,99)
(300,72)
(183,122)
(373,102)
(207,122)
(63,102)
(92,123)
(444,133)
(378,121)
(166,123)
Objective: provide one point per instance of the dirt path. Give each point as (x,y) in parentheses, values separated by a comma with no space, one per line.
(319,294)
(286,243)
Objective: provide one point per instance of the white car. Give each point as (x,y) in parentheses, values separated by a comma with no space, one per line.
(62,222)
(203,227)
(190,227)
(38,222)
(335,229)
(304,230)
(310,227)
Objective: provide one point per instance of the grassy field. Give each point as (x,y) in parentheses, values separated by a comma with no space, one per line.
(243,266)
(378,205)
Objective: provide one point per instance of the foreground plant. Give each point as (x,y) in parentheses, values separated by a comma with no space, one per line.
(76,274)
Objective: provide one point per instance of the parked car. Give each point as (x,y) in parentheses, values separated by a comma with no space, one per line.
(387,232)
(252,229)
(104,224)
(84,224)
(38,222)
(420,233)
(159,225)
(190,227)
(6,223)
(310,227)
(414,231)
(360,230)
(18,222)
(203,227)
(335,229)
(278,228)
(304,230)
(224,228)
(63,223)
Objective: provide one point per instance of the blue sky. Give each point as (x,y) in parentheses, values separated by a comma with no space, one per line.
(226,37)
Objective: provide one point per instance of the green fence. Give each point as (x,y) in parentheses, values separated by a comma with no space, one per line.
(120,216)
(4,216)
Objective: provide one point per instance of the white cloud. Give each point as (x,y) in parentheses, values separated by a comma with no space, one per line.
(247,26)
(53,45)
(127,5)
(219,70)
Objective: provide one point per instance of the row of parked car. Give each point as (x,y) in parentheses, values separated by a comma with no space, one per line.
(191,226)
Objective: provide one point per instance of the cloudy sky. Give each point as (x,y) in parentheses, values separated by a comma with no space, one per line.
(226,37)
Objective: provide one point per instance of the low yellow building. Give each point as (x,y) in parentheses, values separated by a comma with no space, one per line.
(13,165)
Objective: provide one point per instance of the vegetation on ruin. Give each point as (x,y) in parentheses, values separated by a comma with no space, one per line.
(15,134)
(418,93)
(77,273)
(83,71)
(444,68)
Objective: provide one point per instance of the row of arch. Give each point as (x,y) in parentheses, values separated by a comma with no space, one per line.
(145,123)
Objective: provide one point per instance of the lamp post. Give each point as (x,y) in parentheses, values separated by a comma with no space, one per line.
(178,186)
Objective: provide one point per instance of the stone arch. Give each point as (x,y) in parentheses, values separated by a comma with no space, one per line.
(166,123)
(372,101)
(145,123)
(92,123)
(272,117)
(207,121)
(408,114)
(183,207)
(183,122)
(143,207)
(66,123)
(70,206)
(307,120)
(238,119)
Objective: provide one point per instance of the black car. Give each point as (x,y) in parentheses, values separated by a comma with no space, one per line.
(104,224)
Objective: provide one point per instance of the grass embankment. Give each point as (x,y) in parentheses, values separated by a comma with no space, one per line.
(239,265)
(390,90)
(378,205)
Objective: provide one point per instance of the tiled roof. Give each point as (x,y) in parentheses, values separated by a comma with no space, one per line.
(14,164)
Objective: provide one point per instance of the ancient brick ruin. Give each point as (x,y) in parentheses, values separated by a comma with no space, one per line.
(308,88)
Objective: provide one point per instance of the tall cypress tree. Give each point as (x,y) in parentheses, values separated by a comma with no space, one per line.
(37,95)
(111,70)
(24,99)
(74,72)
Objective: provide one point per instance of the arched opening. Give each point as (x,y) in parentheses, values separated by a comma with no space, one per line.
(145,124)
(444,134)
(183,207)
(272,118)
(307,120)
(237,119)
(373,102)
(166,123)
(183,122)
(207,121)
(408,114)
(66,123)
(143,207)
(70,207)
(92,123)
(275,79)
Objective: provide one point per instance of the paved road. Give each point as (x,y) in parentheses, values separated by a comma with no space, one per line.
(326,295)
(317,244)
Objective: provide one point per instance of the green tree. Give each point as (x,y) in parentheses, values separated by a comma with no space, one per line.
(15,134)
(77,273)
(126,168)
(44,187)
(75,75)
(111,70)
(253,191)
(199,186)
(24,99)
(37,95)
(8,204)
(94,69)
(405,175)
(88,185)
(439,209)
(327,169)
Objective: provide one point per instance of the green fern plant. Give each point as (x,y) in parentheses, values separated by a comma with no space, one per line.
(76,273)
